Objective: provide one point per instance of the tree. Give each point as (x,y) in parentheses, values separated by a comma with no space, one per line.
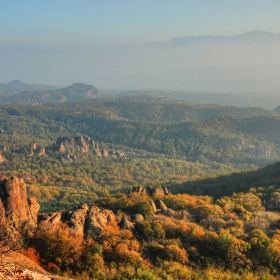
(176,254)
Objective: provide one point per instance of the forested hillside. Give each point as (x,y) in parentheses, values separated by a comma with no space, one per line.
(268,100)
(145,189)
(151,109)
(221,139)
(156,152)
(264,182)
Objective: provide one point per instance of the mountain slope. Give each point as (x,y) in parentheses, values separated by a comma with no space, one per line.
(264,181)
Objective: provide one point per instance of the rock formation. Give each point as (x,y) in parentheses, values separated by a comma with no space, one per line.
(84,220)
(5,148)
(84,144)
(18,208)
(150,191)
(137,218)
(32,149)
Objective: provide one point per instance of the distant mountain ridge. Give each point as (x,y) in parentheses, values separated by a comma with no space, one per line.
(76,91)
(17,86)
(244,62)
(252,36)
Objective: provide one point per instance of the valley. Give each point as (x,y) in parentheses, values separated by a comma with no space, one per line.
(141,187)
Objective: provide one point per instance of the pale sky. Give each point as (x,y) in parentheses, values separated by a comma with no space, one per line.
(85,23)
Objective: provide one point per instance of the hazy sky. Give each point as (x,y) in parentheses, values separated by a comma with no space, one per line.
(85,23)
(65,41)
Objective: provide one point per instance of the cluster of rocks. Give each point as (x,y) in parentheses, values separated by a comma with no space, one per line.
(33,149)
(17,209)
(84,220)
(88,220)
(150,191)
(84,144)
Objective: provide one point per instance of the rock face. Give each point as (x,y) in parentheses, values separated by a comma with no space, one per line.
(84,220)
(18,208)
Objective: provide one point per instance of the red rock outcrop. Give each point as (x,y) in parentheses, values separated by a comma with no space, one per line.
(2,159)
(18,208)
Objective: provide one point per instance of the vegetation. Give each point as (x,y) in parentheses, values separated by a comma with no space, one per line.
(216,225)
(233,238)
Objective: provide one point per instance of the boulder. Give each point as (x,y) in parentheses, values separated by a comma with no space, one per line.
(137,218)
(75,219)
(126,224)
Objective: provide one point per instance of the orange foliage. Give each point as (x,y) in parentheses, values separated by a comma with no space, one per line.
(184,227)
(198,234)
(32,254)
